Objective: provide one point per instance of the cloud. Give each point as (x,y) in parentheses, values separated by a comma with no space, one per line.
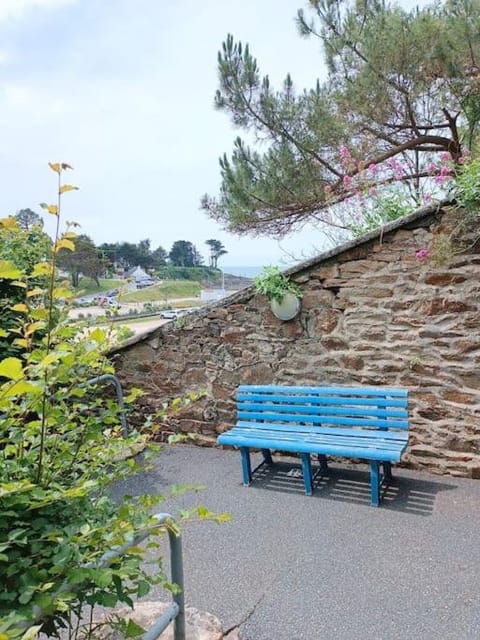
(17,8)
(37,103)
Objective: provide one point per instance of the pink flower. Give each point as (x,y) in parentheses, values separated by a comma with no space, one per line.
(445,156)
(344,153)
(373,191)
(432,168)
(422,254)
(347,182)
(465,157)
(373,169)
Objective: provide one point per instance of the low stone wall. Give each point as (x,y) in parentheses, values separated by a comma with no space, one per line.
(372,314)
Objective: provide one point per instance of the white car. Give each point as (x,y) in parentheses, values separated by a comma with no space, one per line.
(170,314)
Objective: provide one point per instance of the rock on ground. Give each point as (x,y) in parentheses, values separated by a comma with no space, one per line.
(200,625)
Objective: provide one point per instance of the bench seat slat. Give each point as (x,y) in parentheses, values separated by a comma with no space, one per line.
(344,410)
(300,446)
(306,429)
(322,444)
(382,392)
(327,400)
(372,441)
(322,419)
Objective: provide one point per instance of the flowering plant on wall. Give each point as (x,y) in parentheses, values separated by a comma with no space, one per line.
(283,293)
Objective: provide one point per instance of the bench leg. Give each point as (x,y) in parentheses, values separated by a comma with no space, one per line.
(267,456)
(322,460)
(375,482)
(307,473)
(387,471)
(246,466)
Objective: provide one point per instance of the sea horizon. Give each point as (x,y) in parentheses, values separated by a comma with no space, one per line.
(246,272)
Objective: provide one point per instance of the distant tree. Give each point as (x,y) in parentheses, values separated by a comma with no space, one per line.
(159,257)
(127,254)
(216,251)
(86,259)
(27,219)
(197,257)
(108,250)
(144,254)
(184,254)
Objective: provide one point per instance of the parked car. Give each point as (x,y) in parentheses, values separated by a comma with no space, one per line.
(107,302)
(170,314)
(84,302)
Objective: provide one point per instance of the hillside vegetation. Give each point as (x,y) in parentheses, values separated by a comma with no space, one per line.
(164,291)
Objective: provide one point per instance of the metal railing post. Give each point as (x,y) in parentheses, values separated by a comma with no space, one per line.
(176,611)
(108,377)
(176,564)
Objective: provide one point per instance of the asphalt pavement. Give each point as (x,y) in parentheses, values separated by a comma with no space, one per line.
(291,567)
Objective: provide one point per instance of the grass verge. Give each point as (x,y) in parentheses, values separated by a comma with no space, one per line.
(163,292)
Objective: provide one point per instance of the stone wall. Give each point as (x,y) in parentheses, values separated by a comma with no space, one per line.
(372,314)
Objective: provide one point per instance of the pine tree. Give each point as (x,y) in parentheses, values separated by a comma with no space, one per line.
(401,85)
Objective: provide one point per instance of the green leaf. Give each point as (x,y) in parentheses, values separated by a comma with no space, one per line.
(67,187)
(62,293)
(143,588)
(9,271)
(98,335)
(21,387)
(42,269)
(64,243)
(11,368)
(133,630)
(20,307)
(35,292)
(103,578)
(25,597)
(34,326)
(32,633)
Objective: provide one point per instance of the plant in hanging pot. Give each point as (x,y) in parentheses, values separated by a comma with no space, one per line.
(284,294)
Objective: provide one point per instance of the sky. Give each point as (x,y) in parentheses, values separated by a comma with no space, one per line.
(123,91)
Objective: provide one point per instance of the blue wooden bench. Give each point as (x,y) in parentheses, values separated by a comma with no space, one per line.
(354,422)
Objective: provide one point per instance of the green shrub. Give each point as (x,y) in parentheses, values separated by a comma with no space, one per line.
(60,449)
(274,284)
(466,188)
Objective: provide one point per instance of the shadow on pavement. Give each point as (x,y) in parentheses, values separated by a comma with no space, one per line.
(409,495)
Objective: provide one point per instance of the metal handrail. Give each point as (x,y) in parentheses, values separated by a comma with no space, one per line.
(108,377)
(176,611)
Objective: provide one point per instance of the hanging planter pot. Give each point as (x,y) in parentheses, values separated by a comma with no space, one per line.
(284,295)
(287,308)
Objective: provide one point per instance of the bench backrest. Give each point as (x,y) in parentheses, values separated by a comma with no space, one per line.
(369,407)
